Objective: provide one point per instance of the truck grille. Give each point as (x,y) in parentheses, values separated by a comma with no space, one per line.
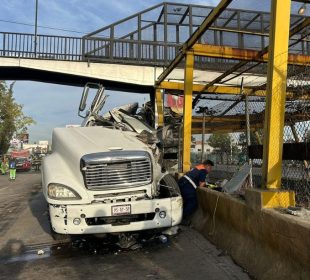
(112,170)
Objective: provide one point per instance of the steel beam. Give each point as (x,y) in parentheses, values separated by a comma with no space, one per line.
(122,20)
(254,118)
(225,129)
(293,32)
(184,16)
(243,54)
(159,108)
(230,90)
(230,18)
(276,92)
(252,20)
(187,110)
(214,89)
(193,39)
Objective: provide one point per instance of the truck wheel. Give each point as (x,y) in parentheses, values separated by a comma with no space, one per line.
(169,181)
(57,236)
(60,237)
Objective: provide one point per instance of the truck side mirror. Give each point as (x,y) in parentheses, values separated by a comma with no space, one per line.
(97,99)
(84,98)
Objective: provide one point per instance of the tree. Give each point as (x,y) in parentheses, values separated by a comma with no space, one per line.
(224,145)
(12,118)
(253,138)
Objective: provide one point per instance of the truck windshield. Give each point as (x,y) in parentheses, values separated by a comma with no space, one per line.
(20,160)
(136,124)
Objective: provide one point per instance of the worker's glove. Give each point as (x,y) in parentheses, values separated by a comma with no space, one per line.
(211,186)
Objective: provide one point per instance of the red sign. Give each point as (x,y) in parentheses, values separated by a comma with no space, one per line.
(21,153)
(175,102)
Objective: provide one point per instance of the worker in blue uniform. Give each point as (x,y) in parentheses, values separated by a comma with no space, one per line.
(188,184)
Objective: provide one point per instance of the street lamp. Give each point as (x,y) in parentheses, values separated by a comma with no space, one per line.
(36,30)
(302,9)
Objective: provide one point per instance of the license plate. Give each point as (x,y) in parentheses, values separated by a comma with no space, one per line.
(121,210)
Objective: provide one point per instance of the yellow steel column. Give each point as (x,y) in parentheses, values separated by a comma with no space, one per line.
(187,110)
(276,91)
(159,107)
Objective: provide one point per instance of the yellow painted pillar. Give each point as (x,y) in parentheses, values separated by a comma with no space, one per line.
(276,91)
(187,110)
(159,107)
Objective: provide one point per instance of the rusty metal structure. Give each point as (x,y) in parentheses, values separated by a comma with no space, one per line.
(214,47)
(280,101)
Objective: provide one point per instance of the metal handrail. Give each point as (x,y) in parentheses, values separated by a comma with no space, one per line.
(95,49)
(53,47)
(22,45)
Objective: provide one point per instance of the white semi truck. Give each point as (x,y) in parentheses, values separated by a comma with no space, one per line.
(106,176)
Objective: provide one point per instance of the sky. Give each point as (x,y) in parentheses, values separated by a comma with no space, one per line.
(53,105)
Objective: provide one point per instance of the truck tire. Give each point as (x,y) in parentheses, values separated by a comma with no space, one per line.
(60,237)
(169,180)
(57,236)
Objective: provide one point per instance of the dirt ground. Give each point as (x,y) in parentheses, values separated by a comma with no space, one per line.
(25,230)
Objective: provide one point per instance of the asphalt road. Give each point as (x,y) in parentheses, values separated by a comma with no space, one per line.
(24,230)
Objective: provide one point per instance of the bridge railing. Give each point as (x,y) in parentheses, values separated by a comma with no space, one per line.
(129,51)
(98,49)
(25,45)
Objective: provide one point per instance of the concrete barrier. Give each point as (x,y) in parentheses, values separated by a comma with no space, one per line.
(267,243)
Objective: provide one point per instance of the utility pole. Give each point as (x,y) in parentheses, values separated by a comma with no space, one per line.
(36,30)
(248,133)
(203,111)
(231,153)
(203,135)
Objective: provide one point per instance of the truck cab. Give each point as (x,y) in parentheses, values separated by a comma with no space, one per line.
(106,176)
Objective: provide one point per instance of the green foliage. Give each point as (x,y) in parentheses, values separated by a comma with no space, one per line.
(12,118)
(223,145)
(253,138)
(220,141)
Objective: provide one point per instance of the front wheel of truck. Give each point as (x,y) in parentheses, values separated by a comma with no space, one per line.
(168,187)
(60,237)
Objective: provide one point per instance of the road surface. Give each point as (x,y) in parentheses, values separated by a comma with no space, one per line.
(25,231)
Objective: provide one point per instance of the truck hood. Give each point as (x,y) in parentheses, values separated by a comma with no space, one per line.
(73,143)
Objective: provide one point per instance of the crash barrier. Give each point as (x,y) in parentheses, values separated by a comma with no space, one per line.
(268,243)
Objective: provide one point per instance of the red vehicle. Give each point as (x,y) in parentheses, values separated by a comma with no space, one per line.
(23,164)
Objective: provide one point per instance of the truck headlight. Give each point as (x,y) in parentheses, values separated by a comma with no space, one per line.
(59,191)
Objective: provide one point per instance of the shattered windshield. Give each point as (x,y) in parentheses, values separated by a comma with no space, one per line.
(136,124)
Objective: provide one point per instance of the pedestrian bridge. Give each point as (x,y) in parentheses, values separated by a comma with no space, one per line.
(130,54)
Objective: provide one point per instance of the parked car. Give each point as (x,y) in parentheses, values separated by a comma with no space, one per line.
(23,164)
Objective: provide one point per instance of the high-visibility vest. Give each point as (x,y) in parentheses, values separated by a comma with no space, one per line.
(199,167)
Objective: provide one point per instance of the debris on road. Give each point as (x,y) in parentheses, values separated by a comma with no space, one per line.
(40,252)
